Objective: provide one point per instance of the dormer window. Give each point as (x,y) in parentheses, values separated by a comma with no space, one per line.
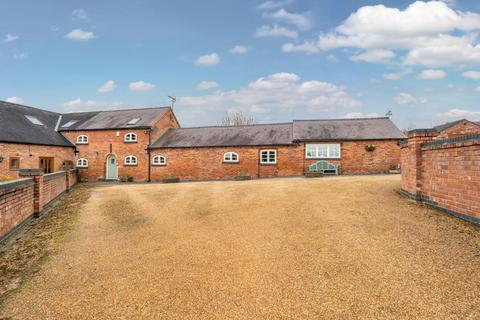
(130,137)
(82,139)
(133,121)
(34,120)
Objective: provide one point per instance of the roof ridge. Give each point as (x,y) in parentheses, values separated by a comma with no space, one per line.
(343,119)
(29,107)
(117,110)
(243,125)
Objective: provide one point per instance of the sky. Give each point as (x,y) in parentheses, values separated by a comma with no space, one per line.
(275,60)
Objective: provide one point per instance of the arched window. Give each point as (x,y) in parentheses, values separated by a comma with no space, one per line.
(130,161)
(230,157)
(82,163)
(159,161)
(83,139)
(130,137)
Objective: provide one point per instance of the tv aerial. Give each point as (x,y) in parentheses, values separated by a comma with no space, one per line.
(172,100)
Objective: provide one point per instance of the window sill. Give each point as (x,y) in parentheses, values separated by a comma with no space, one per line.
(159,165)
(130,165)
(81,168)
(130,141)
(268,164)
(81,144)
(313,158)
(231,162)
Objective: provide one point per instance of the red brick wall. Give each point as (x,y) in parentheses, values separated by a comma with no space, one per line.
(102,143)
(451,176)
(16,203)
(54,184)
(207,163)
(356,160)
(464,128)
(29,157)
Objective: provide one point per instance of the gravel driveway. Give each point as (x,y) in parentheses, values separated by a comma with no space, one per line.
(331,248)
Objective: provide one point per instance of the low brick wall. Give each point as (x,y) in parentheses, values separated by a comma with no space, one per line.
(16,203)
(445,174)
(24,198)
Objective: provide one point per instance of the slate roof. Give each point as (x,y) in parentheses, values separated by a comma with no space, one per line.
(16,128)
(439,128)
(346,129)
(248,135)
(116,119)
(280,134)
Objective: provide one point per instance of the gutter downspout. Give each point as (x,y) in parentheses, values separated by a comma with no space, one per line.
(149,154)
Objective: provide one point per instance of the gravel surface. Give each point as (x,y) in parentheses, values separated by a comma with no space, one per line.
(329,248)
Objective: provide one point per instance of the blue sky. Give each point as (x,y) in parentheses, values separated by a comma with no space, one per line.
(276,60)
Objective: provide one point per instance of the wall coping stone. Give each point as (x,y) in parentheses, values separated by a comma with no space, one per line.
(9,185)
(51,176)
(453,142)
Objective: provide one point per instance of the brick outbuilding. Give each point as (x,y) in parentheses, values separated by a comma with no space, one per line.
(149,145)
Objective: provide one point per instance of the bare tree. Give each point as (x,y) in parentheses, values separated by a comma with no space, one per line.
(236,119)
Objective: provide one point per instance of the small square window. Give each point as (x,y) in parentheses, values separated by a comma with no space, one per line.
(268,156)
(14,163)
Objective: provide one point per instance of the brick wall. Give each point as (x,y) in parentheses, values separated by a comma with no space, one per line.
(20,199)
(102,143)
(444,172)
(16,203)
(29,157)
(207,163)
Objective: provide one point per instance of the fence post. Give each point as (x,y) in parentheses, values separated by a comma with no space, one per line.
(67,177)
(37,176)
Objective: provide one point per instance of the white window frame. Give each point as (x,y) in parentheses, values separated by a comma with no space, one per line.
(82,137)
(130,162)
(227,157)
(130,137)
(269,161)
(82,163)
(330,154)
(159,163)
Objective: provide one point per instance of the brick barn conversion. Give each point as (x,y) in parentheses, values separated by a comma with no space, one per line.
(148,145)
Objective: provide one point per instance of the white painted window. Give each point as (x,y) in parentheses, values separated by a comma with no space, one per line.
(231,157)
(82,139)
(130,137)
(34,120)
(268,156)
(322,151)
(159,161)
(130,161)
(82,163)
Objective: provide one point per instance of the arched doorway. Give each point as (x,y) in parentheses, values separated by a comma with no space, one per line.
(112,167)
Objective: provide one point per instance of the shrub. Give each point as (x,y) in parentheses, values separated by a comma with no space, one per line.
(126,178)
(370,147)
(170,177)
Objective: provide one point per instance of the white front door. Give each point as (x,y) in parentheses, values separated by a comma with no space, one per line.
(112,167)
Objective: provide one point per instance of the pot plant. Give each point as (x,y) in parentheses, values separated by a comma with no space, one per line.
(126,178)
(242,176)
(394,169)
(171,178)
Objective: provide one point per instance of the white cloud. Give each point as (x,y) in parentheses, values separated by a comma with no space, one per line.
(332,57)
(431,34)
(461,113)
(78,104)
(141,86)
(377,55)
(238,49)
(407,98)
(17,100)
(353,115)
(474,75)
(79,14)
(300,21)
(208,60)
(80,35)
(10,38)
(107,86)
(206,85)
(20,56)
(307,47)
(397,75)
(267,5)
(431,74)
(275,31)
(280,92)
